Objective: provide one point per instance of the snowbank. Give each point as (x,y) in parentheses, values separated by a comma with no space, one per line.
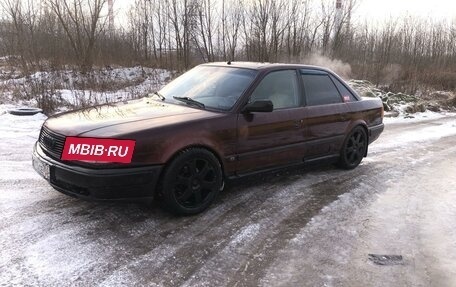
(401,104)
(56,91)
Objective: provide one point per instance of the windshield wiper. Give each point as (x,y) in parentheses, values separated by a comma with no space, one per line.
(159,95)
(190,101)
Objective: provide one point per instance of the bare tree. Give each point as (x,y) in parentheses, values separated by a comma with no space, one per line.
(231,28)
(177,34)
(83,24)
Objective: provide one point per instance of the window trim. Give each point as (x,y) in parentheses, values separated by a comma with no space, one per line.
(333,78)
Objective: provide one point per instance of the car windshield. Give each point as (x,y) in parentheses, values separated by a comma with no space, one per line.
(209,86)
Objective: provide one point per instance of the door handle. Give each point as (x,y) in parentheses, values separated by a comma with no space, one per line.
(298,123)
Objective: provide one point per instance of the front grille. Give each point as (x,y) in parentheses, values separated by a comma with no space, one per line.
(51,142)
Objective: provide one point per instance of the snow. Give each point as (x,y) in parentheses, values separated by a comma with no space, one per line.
(426,134)
(18,135)
(153,80)
(70,79)
(245,234)
(406,210)
(73,89)
(429,131)
(374,206)
(418,117)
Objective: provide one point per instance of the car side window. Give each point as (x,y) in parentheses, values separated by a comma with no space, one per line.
(280,87)
(320,90)
(344,91)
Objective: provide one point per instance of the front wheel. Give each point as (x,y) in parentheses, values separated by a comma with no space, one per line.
(192,181)
(354,148)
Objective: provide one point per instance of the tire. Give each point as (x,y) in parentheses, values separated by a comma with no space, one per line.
(191,181)
(354,148)
(25,111)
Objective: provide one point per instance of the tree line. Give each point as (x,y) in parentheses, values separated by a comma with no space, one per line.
(404,53)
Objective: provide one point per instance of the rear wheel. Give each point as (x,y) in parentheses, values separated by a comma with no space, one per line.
(192,181)
(354,148)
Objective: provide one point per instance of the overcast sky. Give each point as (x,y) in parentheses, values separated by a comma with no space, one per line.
(381,9)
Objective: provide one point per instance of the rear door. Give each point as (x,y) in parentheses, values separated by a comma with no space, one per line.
(275,138)
(325,114)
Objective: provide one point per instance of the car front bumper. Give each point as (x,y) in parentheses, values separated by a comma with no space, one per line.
(130,183)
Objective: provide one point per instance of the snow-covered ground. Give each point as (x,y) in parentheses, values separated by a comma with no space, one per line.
(311,227)
(306,228)
(426,133)
(406,104)
(71,89)
(417,117)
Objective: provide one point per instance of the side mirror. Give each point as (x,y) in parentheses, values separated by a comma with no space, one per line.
(258,106)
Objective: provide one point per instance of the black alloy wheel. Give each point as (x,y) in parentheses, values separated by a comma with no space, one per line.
(354,148)
(192,181)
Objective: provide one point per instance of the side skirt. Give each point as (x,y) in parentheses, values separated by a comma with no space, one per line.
(305,162)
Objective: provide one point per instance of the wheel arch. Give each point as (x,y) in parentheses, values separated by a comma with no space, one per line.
(366,130)
(197,146)
(363,125)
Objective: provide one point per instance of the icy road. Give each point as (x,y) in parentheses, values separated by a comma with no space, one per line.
(310,227)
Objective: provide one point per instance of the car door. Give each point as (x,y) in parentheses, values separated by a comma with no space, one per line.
(273,138)
(325,114)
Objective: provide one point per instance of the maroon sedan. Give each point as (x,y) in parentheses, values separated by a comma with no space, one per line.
(216,122)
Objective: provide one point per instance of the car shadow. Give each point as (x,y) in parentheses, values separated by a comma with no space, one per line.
(147,238)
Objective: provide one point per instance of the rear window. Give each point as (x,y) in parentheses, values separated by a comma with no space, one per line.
(320,90)
(343,90)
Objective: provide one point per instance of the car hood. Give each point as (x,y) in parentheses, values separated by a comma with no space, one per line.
(123,118)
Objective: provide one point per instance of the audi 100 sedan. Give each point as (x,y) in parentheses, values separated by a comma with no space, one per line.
(216,122)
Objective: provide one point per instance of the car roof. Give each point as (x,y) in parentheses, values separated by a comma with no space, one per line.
(264,66)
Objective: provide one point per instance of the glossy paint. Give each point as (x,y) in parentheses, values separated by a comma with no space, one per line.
(243,142)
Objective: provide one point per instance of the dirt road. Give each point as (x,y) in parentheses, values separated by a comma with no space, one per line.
(310,227)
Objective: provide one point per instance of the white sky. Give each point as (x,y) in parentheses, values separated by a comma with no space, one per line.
(383,9)
(375,10)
